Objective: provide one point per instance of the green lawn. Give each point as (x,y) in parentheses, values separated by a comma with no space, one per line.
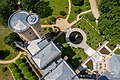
(75,55)
(91,19)
(117,51)
(57,6)
(111,45)
(89,64)
(4,32)
(73,15)
(104,51)
(93,38)
(5,75)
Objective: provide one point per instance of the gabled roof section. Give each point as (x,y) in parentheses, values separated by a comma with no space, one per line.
(36,45)
(46,55)
(62,72)
(114,65)
(113,72)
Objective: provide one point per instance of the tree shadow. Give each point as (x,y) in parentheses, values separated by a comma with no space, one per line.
(67,51)
(4,54)
(43,9)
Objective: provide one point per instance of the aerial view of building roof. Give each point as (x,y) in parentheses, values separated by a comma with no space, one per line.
(61,72)
(113,72)
(47,52)
(59,39)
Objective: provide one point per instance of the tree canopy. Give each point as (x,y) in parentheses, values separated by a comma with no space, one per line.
(78,2)
(9,40)
(109,21)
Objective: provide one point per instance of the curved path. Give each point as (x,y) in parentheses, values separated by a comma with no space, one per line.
(78,17)
(69,11)
(14,59)
(94,8)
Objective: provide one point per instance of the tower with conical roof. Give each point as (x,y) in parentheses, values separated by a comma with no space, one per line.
(26,25)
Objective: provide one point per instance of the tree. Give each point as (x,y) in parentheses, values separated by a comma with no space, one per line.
(29,4)
(77,10)
(18,61)
(15,70)
(25,69)
(7,7)
(4,69)
(33,78)
(12,65)
(109,20)
(27,75)
(9,40)
(22,65)
(4,54)
(17,75)
(43,9)
(78,2)
(63,13)
(53,19)
(21,78)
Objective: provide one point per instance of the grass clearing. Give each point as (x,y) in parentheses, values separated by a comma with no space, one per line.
(104,51)
(73,15)
(75,55)
(4,32)
(117,51)
(89,64)
(57,6)
(93,38)
(5,75)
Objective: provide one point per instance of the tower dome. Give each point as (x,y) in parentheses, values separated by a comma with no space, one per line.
(32,19)
(17,21)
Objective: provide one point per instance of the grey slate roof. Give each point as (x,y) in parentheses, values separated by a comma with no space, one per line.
(113,72)
(43,57)
(61,72)
(17,21)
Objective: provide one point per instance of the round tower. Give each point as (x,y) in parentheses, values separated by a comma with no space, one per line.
(33,20)
(26,25)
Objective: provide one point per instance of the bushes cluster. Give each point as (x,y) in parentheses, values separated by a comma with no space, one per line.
(22,70)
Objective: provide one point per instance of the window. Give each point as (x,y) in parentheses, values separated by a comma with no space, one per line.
(30,33)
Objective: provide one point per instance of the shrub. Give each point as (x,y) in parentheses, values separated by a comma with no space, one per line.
(53,19)
(21,78)
(18,61)
(15,70)
(78,2)
(17,75)
(63,13)
(77,10)
(25,69)
(33,78)
(4,69)
(27,75)
(22,65)
(12,65)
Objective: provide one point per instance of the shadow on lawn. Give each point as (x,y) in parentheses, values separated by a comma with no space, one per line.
(43,9)
(67,51)
(4,54)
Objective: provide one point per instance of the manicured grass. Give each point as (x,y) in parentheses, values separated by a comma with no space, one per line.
(117,51)
(93,38)
(75,55)
(5,75)
(89,64)
(111,46)
(57,6)
(104,51)
(91,19)
(73,15)
(4,32)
